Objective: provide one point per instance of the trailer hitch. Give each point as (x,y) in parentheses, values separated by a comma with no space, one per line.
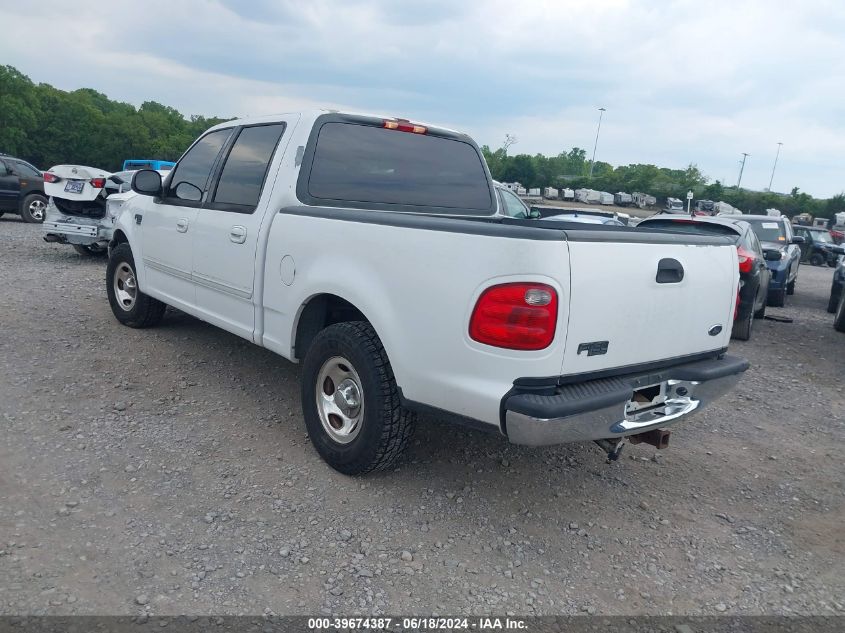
(659,438)
(613,448)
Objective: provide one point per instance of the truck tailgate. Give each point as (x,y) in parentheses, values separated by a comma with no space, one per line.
(623,312)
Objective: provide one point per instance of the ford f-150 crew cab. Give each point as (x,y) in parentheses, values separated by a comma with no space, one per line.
(373,251)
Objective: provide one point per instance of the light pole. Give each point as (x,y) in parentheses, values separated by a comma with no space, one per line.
(593,161)
(777,155)
(741,168)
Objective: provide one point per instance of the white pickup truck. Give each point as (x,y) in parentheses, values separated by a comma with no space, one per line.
(373,250)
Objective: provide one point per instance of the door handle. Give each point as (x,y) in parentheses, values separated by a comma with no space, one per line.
(237,234)
(182,225)
(669,271)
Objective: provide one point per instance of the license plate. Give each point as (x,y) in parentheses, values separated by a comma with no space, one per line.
(75,186)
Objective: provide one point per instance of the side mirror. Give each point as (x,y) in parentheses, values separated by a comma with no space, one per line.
(533,214)
(187,191)
(771,255)
(798,240)
(147,182)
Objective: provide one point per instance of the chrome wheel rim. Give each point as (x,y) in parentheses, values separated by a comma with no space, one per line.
(37,209)
(340,399)
(125,286)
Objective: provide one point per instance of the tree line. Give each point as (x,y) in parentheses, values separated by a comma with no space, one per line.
(47,127)
(571,169)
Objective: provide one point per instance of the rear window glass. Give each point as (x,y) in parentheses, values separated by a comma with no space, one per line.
(768,230)
(367,164)
(695,228)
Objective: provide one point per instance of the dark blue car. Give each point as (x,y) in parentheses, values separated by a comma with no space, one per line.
(775,233)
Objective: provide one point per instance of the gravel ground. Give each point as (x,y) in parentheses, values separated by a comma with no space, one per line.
(167,471)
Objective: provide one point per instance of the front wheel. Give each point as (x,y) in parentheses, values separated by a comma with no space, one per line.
(129,305)
(839,318)
(790,287)
(350,400)
(90,250)
(817,259)
(33,208)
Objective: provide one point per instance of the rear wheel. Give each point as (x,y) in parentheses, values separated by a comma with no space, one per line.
(742,329)
(790,287)
(90,250)
(350,400)
(33,208)
(129,305)
(777,298)
(839,318)
(817,259)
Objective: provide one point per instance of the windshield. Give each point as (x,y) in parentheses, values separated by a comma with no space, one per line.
(768,230)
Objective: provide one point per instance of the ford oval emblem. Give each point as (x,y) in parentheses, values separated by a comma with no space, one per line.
(716,329)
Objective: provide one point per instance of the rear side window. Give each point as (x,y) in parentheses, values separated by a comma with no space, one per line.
(26,170)
(364,164)
(246,166)
(195,166)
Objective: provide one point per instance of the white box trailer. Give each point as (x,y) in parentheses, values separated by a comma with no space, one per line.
(605,197)
(592,197)
(534,192)
(723,208)
(581,195)
(839,219)
(521,191)
(643,200)
(568,194)
(623,199)
(550,193)
(774,213)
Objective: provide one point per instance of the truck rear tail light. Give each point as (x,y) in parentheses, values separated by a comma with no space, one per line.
(48,177)
(746,259)
(403,125)
(520,316)
(98,183)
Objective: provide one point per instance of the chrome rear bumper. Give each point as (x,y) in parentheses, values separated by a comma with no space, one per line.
(607,408)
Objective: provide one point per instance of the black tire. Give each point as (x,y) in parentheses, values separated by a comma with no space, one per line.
(384,429)
(761,313)
(839,318)
(790,287)
(832,262)
(817,259)
(833,302)
(33,208)
(742,329)
(143,311)
(90,250)
(777,299)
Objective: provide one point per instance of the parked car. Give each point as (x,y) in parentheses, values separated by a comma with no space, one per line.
(837,287)
(754,275)
(134,164)
(79,212)
(21,189)
(372,250)
(776,233)
(818,247)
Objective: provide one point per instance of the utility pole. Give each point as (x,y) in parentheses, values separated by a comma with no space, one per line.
(741,168)
(777,155)
(593,162)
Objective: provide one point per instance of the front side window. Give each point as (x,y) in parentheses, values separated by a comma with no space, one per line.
(195,166)
(364,164)
(246,166)
(514,207)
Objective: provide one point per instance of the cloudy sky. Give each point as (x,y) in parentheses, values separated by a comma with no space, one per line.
(683,81)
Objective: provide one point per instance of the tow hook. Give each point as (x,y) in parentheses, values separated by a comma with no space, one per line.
(613,448)
(659,438)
